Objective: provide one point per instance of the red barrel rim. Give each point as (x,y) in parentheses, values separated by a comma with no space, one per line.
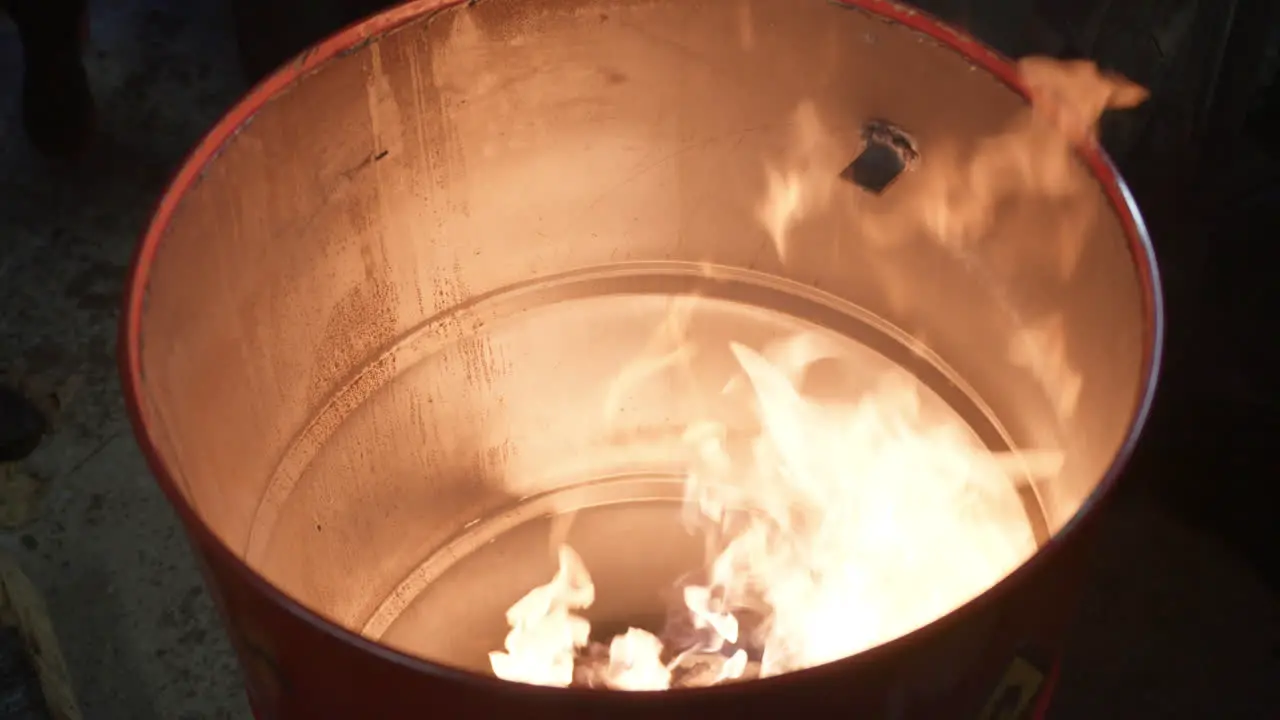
(356,35)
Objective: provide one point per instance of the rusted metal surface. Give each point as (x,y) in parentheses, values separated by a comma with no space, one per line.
(344,224)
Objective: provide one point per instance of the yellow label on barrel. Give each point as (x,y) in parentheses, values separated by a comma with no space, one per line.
(1016,692)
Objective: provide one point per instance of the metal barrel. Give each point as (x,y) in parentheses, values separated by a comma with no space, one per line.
(344,343)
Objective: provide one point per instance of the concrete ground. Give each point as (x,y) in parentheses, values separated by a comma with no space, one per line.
(1175,626)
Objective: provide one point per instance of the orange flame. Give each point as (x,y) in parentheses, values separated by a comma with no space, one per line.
(847,523)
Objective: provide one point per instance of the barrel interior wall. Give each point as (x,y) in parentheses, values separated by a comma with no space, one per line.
(505,142)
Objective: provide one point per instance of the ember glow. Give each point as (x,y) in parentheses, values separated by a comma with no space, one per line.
(836,526)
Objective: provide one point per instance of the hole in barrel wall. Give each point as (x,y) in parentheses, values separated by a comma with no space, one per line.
(887,152)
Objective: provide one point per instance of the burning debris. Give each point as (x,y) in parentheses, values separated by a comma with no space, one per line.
(546,634)
(549,642)
(841,526)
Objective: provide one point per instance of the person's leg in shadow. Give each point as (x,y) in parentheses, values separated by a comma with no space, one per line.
(57,105)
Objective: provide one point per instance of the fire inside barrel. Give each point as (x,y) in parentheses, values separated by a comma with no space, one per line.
(587,345)
(838,525)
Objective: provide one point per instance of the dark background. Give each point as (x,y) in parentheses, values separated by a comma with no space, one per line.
(1182,620)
